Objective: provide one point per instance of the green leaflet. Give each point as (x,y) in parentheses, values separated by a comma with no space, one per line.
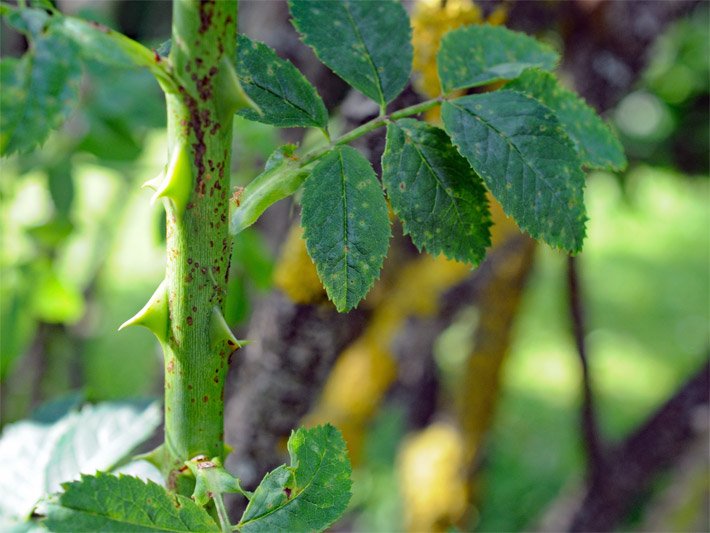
(596,143)
(347,231)
(368,44)
(36,456)
(284,95)
(108,503)
(476,55)
(281,178)
(526,159)
(434,192)
(310,494)
(39,92)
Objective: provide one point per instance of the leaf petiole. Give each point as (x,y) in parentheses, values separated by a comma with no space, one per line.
(367,127)
(224,522)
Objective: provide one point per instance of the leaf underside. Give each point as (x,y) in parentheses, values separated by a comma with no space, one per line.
(368,44)
(344,215)
(124,504)
(440,200)
(527,161)
(476,55)
(310,494)
(596,143)
(36,456)
(284,95)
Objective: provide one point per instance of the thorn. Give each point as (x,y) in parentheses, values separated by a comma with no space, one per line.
(177,183)
(154,314)
(154,183)
(158,457)
(231,90)
(220,333)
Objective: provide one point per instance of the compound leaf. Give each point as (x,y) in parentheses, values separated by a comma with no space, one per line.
(596,143)
(438,197)
(39,92)
(368,44)
(284,95)
(477,55)
(526,159)
(344,215)
(308,495)
(108,503)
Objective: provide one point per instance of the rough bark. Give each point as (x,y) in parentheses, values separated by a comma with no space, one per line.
(278,377)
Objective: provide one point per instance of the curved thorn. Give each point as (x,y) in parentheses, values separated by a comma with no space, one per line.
(153,315)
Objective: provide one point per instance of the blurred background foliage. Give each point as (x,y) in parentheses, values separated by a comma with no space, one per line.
(82,248)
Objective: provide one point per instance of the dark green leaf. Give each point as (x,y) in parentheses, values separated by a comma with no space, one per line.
(108,503)
(310,494)
(477,55)
(526,159)
(596,143)
(365,43)
(434,192)
(284,95)
(344,215)
(39,92)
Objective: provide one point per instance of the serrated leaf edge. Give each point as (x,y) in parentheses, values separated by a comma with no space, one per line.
(565,138)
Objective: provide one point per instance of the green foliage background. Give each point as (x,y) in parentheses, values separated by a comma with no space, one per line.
(75,222)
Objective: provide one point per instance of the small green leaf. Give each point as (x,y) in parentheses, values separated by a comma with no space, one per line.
(438,197)
(310,494)
(284,95)
(212,479)
(108,503)
(526,159)
(596,143)
(368,44)
(39,92)
(36,456)
(347,230)
(477,55)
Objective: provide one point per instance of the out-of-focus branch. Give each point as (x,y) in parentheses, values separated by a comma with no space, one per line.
(655,445)
(590,426)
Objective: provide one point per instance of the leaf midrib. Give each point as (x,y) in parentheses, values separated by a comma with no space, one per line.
(506,138)
(303,491)
(380,91)
(285,99)
(436,176)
